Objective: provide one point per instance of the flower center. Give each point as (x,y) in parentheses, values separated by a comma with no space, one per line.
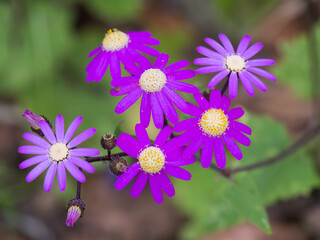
(58,152)
(151,160)
(115,40)
(214,122)
(235,63)
(152,80)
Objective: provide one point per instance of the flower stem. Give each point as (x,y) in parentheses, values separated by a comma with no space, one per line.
(105,157)
(78,187)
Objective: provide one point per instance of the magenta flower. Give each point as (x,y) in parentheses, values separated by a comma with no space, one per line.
(234,64)
(58,153)
(75,210)
(156,85)
(212,127)
(32,119)
(154,162)
(119,47)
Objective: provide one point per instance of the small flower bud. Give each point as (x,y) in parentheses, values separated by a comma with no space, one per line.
(108,141)
(118,166)
(33,120)
(75,209)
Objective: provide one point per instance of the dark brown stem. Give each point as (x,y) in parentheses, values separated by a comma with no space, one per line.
(105,157)
(78,194)
(225,86)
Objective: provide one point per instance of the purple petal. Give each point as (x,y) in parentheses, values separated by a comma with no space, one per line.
(215,98)
(139,184)
(186,124)
(207,152)
(157,113)
(74,171)
(37,170)
(145,109)
(84,152)
(47,131)
(253,50)
(215,45)
(33,161)
(226,43)
(243,45)
(201,101)
(155,188)
(219,153)
(225,103)
(139,34)
(193,147)
(247,84)
(217,78)
(82,164)
(193,110)
(176,66)
(209,53)
(128,144)
(255,81)
(142,135)
(142,61)
(82,137)
(128,100)
(163,136)
(232,146)
(59,128)
(262,73)
(181,75)
(235,113)
(177,172)
(233,85)
(240,127)
(166,185)
(72,128)
(145,40)
(30,149)
(161,61)
(115,69)
(94,51)
(183,87)
(210,69)
(127,176)
(208,61)
(260,62)
(239,137)
(175,98)
(36,140)
(62,181)
(124,89)
(181,162)
(145,49)
(127,60)
(167,108)
(48,180)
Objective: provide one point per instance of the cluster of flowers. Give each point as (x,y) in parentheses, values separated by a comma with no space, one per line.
(212,124)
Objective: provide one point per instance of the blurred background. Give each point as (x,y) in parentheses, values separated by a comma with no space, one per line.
(43,55)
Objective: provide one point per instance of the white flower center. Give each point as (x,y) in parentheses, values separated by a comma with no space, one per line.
(58,152)
(151,160)
(235,63)
(152,80)
(214,122)
(115,40)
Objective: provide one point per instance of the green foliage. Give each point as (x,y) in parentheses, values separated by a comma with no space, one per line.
(214,202)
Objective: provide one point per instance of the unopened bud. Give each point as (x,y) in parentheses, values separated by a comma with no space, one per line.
(75,209)
(108,141)
(118,166)
(33,119)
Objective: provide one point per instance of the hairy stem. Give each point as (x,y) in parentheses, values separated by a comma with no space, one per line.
(105,157)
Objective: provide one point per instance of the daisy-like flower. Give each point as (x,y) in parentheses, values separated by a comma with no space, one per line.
(156,85)
(119,47)
(58,153)
(213,127)
(234,64)
(154,162)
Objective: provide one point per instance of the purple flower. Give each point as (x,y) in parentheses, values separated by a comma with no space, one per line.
(156,85)
(32,119)
(154,162)
(119,47)
(234,64)
(58,153)
(213,126)
(75,209)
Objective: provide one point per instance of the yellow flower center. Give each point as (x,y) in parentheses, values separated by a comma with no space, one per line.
(58,152)
(235,63)
(152,80)
(214,122)
(152,160)
(115,40)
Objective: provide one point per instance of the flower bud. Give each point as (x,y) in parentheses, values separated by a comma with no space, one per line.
(108,141)
(118,166)
(33,119)
(75,209)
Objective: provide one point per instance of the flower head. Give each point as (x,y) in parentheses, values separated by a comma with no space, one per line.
(154,162)
(119,47)
(156,84)
(234,64)
(58,153)
(75,209)
(212,127)
(33,120)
